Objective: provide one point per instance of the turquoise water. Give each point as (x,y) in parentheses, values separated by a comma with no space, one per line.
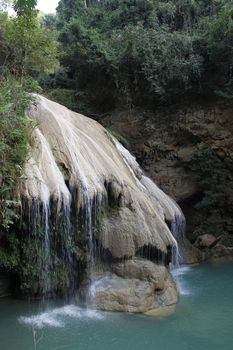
(203,320)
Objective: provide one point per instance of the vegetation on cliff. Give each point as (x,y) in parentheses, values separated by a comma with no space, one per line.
(145,52)
(27,52)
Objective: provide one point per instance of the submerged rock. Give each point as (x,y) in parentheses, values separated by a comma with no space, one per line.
(162,312)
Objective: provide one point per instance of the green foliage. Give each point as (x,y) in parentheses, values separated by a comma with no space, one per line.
(138,52)
(9,252)
(66,97)
(25,8)
(217,32)
(15,131)
(25,47)
(27,52)
(120,138)
(212,178)
(49,21)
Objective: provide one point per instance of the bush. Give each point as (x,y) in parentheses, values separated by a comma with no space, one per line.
(212,178)
(66,97)
(15,131)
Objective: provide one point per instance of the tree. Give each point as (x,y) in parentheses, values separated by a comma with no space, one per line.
(146,51)
(25,8)
(5,5)
(25,47)
(139,50)
(26,52)
(217,32)
(49,21)
(67,9)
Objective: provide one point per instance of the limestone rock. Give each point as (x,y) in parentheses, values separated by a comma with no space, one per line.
(206,241)
(162,312)
(169,296)
(220,251)
(191,254)
(81,172)
(165,142)
(114,293)
(215,248)
(100,170)
(143,270)
(135,286)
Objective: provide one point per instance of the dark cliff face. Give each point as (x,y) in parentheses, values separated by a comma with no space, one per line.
(188,152)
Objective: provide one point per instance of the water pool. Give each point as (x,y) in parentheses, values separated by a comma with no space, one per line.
(203,320)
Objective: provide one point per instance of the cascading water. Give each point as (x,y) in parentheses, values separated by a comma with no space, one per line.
(47,250)
(98,210)
(49,246)
(178,231)
(170,211)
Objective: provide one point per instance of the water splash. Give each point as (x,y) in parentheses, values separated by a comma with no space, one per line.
(58,317)
(178,274)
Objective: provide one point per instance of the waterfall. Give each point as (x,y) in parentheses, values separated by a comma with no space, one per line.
(178,230)
(47,250)
(92,203)
(172,213)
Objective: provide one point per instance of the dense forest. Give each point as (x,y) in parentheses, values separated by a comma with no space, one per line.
(145,52)
(96,55)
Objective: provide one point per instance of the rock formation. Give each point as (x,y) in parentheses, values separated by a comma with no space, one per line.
(187,150)
(88,203)
(136,285)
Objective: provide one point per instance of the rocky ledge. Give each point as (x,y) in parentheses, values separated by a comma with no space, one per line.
(187,149)
(212,248)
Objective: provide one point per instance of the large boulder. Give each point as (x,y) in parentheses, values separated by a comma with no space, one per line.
(206,241)
(136,285)
(143,270)
(213,248)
